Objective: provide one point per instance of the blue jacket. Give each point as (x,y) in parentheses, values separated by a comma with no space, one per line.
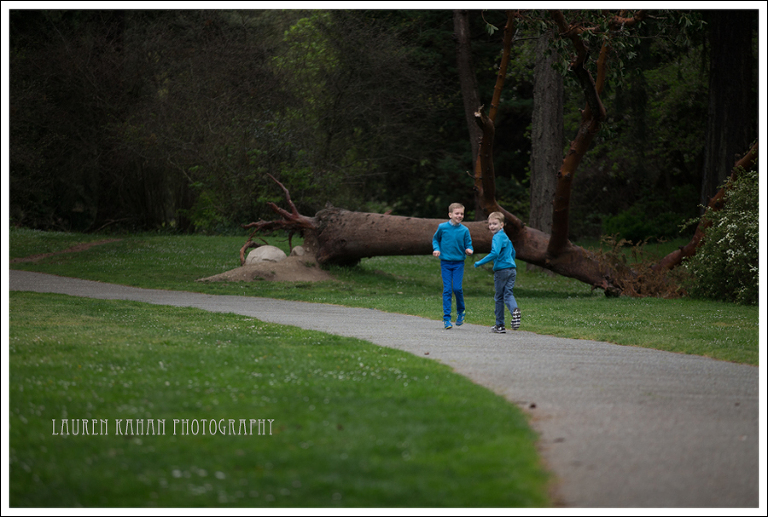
(502,252)
(452,241)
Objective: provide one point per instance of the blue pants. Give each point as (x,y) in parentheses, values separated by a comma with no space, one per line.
(504,283)
(452,272)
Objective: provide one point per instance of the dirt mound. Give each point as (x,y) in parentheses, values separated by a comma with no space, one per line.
(292,269)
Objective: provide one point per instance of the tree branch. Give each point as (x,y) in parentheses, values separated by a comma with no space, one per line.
(509,31)
(619,22)
(485,176)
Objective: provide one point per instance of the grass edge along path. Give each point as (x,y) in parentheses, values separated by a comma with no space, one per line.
(555,306)
(355,425)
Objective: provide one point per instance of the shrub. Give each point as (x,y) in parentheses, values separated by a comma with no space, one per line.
(726,265)
(654,217)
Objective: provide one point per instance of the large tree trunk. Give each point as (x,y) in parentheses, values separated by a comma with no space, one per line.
(546,136)
(731,100)
(343,237)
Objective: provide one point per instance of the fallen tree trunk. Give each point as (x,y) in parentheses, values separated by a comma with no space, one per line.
(342,237)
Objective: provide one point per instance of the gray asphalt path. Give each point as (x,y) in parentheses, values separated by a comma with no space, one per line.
(620,427)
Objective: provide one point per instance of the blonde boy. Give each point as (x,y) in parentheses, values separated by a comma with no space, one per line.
(504,272)
(452,243)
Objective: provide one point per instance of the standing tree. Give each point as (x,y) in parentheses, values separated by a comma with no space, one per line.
(546,135)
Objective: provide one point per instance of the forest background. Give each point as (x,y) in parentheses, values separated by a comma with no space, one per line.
(174,119)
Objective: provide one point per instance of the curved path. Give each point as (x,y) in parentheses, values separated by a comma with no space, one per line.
(621,427)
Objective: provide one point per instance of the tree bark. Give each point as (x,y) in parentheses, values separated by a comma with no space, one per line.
(468,82)
(546,136)
(509,32)
(484,165)
(344,238)
(731,100)
(591,118)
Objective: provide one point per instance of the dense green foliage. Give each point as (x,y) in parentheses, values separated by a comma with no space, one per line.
(154,119)
(551,305)
(175,119)
(726,266)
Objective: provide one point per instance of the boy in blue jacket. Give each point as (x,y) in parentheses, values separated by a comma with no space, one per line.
(451,243)
(504,273)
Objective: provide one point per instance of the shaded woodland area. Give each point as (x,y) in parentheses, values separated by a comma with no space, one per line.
(185,121)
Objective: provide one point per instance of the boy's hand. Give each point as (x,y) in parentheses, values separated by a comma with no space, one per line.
(436,253)
(468,251)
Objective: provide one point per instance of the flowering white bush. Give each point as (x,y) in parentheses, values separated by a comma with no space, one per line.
(726,266)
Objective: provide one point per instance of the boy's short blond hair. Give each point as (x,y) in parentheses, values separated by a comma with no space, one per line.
(454,206)
(498,216)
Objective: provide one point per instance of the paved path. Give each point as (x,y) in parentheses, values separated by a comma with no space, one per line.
(620,426)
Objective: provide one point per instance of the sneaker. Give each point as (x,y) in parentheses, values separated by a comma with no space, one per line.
(448,325)
(498,329)
(516,319)
(460,319)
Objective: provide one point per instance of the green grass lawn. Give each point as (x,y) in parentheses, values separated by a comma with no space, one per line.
(355,425)
(28,242)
